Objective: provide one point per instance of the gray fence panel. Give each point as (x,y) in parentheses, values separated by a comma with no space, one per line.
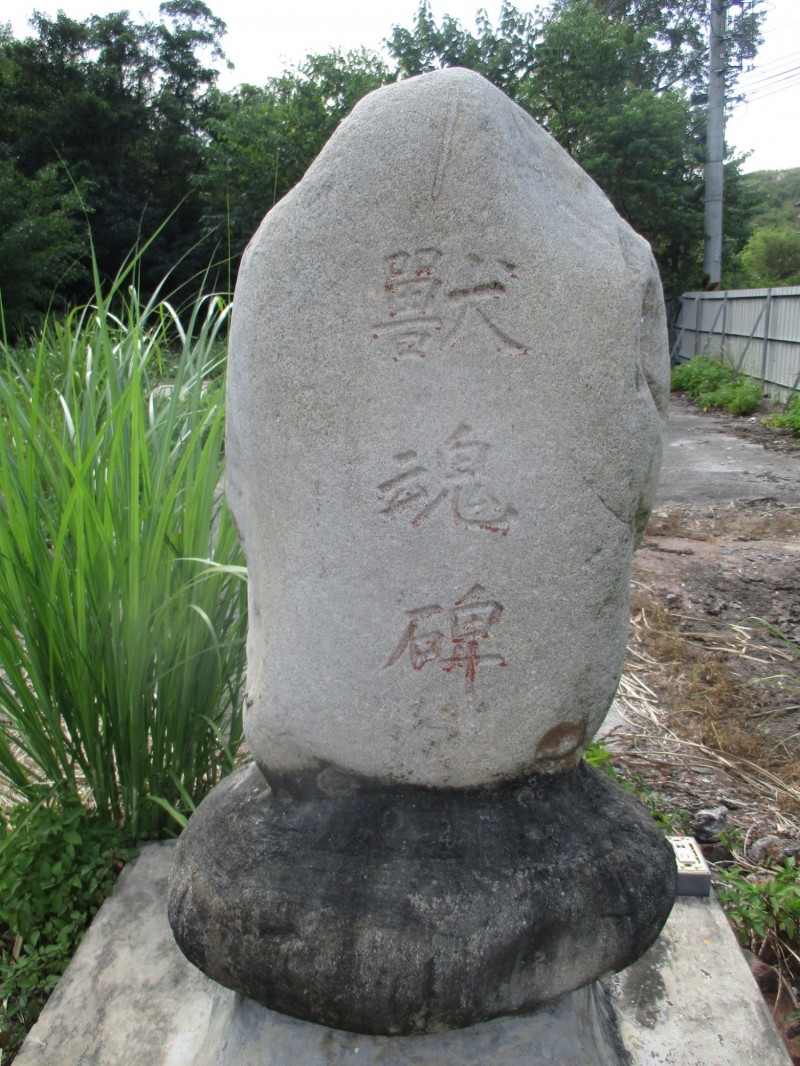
(755,330)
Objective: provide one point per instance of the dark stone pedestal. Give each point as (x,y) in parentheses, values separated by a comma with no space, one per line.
(402,910)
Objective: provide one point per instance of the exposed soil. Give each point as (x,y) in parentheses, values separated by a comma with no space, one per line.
(710,705)
(716,607)
(715,634)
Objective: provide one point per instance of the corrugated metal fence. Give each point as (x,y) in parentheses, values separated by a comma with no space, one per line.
(756,330)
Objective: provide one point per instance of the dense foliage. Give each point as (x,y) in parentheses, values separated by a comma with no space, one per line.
(777,196)
(711,383)
(262,140)
(771,256)
(116,124)
(58,862)
(110,115)
(764,909)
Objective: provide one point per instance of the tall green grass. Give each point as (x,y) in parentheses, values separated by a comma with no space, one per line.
(122,589)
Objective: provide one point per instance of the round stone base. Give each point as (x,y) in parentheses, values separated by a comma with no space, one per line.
(404,910)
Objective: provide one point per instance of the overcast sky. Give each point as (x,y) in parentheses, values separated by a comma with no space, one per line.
(263,41)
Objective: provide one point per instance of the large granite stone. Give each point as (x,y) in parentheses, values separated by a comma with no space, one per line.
(405,910)
(447,375)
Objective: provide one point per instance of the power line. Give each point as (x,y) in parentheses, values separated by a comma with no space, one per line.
(766,68)
(776,75)
(768,82)
(763,70)
(772,92)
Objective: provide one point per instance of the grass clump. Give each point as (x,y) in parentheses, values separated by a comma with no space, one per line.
(58,862)
(122,588)
(789,418)
(712,384)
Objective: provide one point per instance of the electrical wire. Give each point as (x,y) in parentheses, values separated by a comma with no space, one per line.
(774,92)
(768,83)
(777,75)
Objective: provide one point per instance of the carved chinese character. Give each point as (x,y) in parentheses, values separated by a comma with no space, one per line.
(436,302)
(468,622)
(459,477)
(423,647)
(474,301)
(406,487)
(411,287)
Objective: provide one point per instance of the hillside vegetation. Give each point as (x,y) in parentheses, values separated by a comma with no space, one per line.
(777,198)
(771,256)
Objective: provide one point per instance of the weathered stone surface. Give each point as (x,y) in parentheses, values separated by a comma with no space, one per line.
(447,365)
(407,910)
(448,368)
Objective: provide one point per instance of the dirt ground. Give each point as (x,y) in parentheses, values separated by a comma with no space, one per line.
(715,631)
(716,636)
(708,714)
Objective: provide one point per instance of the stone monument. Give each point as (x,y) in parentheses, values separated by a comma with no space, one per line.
(448,371)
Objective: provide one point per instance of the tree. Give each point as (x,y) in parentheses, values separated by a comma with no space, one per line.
(124,106)
(670,40)
(647,163)
(611,81)
(262,140)
(777,194)
(587,66)
(676,32)
(42,235)
(772,257)
(131,110)
(592,90)
(505,55)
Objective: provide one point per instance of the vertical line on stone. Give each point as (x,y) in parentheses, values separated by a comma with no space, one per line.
(444,151)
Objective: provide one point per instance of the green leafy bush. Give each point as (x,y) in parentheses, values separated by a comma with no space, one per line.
(765,911)
(122,589)
(739,397)
(58,862)
(789,418)
(772,257)
(701,374)
(712,384)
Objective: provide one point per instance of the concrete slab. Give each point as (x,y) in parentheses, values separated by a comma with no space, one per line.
(691,999)
(129,998)
(704,461)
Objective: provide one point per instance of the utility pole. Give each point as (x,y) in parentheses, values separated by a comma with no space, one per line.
(715,146)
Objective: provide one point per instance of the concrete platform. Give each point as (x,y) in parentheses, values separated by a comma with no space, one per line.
(703,462)
(129,998)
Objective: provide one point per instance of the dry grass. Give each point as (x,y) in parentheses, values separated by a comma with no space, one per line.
(690,707)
